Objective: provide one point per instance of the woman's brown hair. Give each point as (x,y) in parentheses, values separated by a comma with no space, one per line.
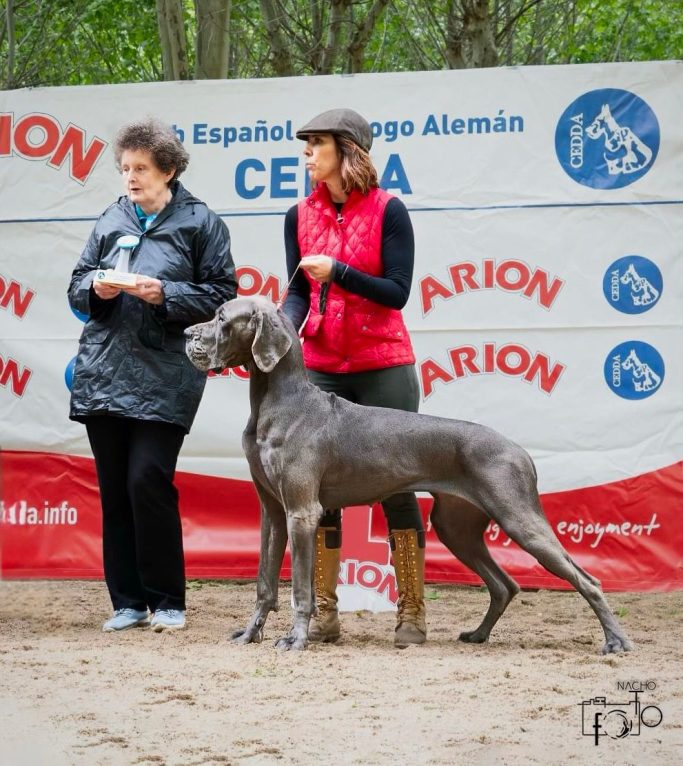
(357,170)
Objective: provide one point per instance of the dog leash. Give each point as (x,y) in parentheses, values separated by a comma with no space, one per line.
(278,305)
(324,288)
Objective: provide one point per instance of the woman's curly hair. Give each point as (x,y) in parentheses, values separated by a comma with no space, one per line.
(157,138)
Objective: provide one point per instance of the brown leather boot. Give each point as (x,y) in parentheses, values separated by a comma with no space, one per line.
(409,562)
(324,624)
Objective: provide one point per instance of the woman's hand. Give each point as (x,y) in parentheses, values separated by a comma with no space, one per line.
(318,266)
(147,289)
(104,291)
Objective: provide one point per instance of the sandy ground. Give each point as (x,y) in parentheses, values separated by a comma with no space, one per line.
(70,694)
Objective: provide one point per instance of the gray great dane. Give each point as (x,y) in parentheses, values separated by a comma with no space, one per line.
(308,450)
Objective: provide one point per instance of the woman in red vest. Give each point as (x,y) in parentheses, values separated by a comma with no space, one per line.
(353,246)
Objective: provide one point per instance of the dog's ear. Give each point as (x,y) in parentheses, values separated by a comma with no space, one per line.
(271,341)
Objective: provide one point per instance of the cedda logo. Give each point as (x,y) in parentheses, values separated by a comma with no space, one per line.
(634,370)
(632,284)
(617,720)
(607,138)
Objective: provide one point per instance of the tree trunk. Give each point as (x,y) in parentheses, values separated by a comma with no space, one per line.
(363,33)
(173,39)
(478,30)
(470,35)
(330,50)
(11,45)
(279,49)
(213,39)
(455,56)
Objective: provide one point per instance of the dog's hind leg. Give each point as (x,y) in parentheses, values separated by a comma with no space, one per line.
(273,544)
(539,540)
(460,526)
(517,509)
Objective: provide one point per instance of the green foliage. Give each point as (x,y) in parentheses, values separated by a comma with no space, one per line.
(587,31)
(540,32)
(249,52)
(408,38)
(626,30)
(75,42)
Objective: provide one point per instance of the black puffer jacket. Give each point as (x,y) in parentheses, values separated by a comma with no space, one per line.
(131,359)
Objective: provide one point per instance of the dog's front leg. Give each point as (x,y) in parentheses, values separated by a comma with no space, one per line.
(273,543)
(301,526)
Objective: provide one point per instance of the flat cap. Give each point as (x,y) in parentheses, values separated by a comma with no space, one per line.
(340,122)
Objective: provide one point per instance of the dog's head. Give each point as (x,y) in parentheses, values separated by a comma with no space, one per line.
(243,330)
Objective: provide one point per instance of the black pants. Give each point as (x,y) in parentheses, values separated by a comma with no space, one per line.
(142,539)
(393,387)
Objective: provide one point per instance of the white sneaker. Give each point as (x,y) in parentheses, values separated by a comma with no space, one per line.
(168,619)
(124,619)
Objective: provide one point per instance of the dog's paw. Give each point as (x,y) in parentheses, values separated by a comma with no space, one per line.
(291,642)
(473,637)
(247,636)
(616,645)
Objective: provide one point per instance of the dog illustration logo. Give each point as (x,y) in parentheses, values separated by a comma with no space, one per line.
(632,284)
(634,370)
(642,292)
(607,138)
(624,151)
(644,377)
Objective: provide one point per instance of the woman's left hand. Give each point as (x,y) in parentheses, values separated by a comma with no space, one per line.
(318,266)
(147,289)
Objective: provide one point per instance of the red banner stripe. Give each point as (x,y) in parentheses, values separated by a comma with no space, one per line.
(627,533)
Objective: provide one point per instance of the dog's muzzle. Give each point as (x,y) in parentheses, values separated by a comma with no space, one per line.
(197,353)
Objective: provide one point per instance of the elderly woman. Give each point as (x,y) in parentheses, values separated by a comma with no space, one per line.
(133,386)
(350,254)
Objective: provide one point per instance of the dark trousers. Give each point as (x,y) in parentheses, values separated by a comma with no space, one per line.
(393,387)
(142,539)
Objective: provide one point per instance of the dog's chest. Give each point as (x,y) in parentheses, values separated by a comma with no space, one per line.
(266,454)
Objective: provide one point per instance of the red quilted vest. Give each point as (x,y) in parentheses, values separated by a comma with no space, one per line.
(354,334)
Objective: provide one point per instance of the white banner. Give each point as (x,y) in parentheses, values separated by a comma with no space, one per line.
(546,203)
